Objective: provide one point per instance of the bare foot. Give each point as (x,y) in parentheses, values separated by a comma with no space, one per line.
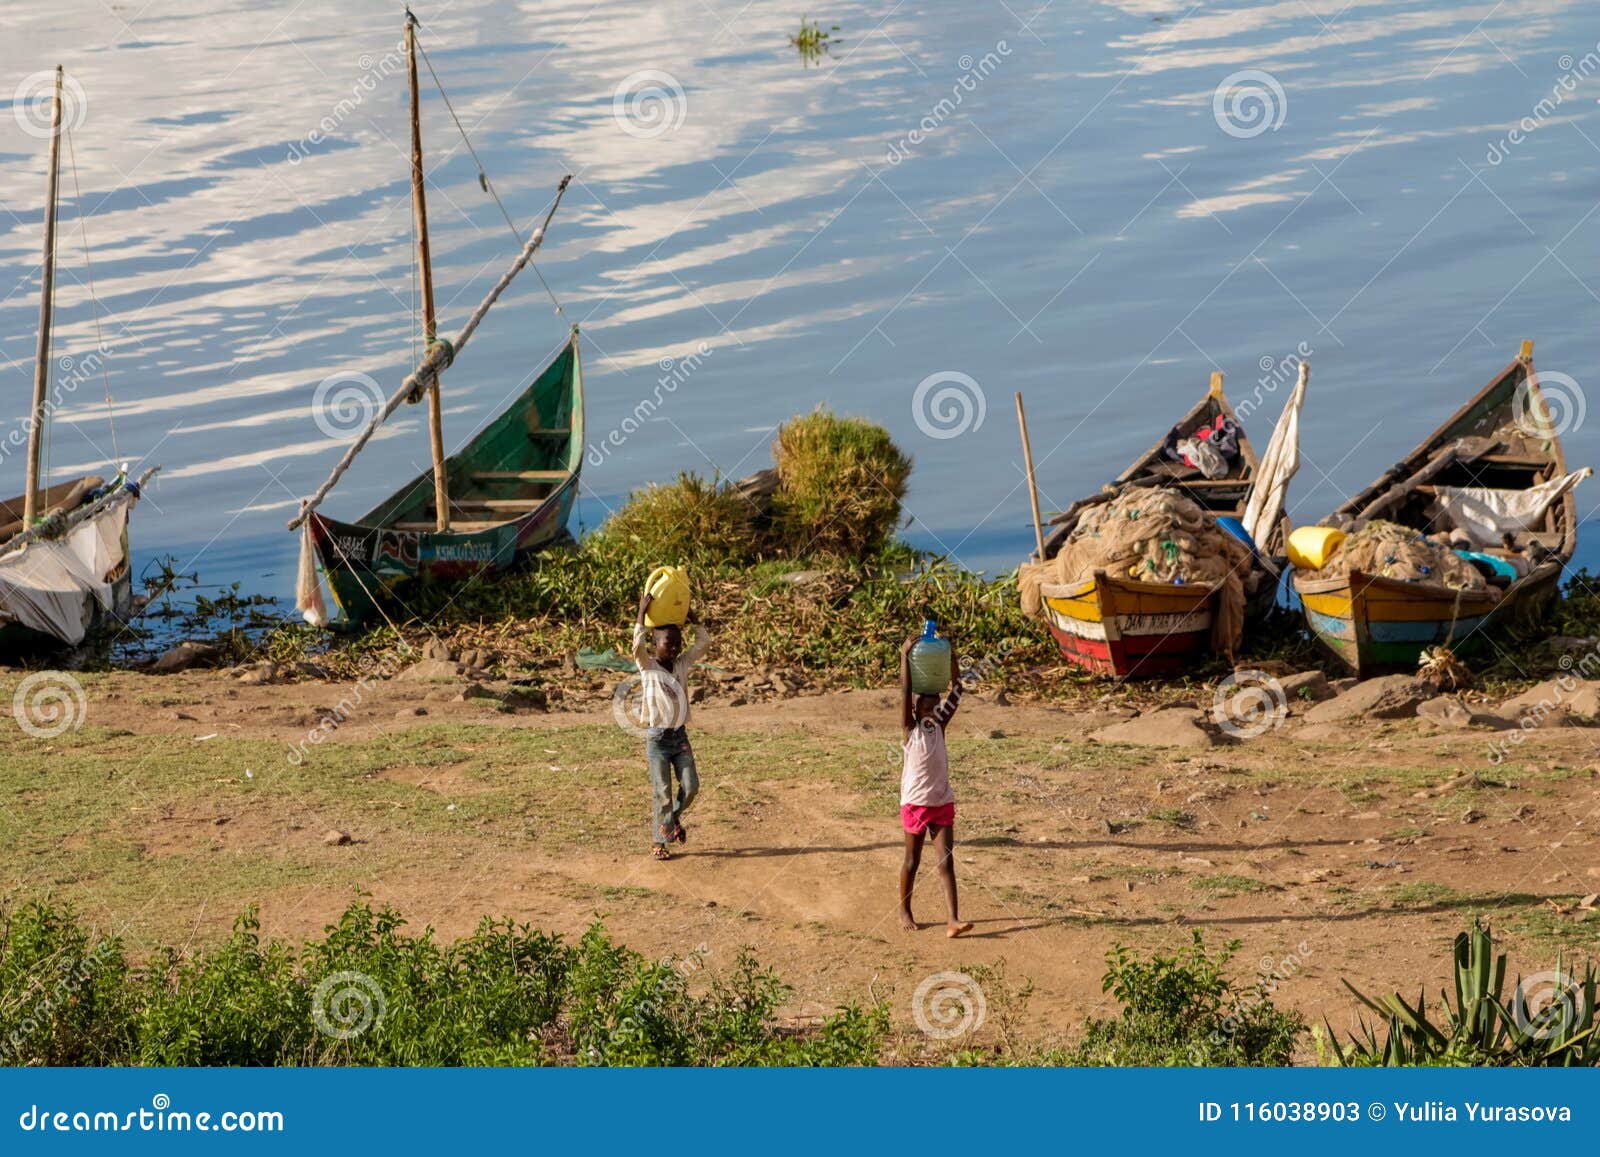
(907,921)
(953,929)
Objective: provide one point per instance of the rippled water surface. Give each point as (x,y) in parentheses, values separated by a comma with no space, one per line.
(1095,204)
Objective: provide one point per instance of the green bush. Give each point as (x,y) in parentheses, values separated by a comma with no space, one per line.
(368,994)
(690,522)
(1183,1010)
(840,484)
(64,996)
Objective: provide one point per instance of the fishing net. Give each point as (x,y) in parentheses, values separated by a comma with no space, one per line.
(1156,536)
(1393,551)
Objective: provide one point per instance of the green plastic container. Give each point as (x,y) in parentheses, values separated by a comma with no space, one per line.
(930,662)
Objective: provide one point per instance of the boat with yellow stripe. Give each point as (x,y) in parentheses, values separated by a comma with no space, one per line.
(1124,627)
(1504,439)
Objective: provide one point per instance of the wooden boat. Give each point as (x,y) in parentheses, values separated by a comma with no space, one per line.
(64,562)
(506,495)
(1126,628)
(511,492)
(1372,623)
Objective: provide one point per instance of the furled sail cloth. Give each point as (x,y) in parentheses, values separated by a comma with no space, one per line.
(54,585)
(1278,465)
(1487,515)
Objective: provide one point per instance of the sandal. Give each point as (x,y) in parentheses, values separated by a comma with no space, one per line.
(660,852)
(680,835)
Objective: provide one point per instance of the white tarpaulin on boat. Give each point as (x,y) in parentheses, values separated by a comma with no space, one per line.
(1278,465)
(1486,515)
(53,585)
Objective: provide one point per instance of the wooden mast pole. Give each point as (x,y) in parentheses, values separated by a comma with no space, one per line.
(47,282)
(430,329)
(1033,490)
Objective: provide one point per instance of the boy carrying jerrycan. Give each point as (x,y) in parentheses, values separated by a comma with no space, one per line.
(664,669)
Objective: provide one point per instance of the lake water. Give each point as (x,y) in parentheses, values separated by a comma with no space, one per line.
(1094,204)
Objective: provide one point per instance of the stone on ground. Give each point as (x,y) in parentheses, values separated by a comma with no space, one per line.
(1165,727)
(1388,697)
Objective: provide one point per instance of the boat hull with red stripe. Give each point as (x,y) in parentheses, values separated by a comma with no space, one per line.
(1127,629)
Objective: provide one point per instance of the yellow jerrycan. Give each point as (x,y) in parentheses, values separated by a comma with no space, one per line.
(670,587)
(1310,547)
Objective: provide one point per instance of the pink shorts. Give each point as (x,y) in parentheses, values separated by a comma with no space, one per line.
(916,818)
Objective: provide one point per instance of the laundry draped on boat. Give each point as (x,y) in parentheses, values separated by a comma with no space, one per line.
(1156,536)
(1210,449)
(1488,515)
(1390,550)
(53,585)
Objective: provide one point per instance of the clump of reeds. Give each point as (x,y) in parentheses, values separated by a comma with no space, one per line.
(840,485)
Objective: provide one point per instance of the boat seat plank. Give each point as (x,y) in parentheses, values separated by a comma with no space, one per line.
(555,476)
(1517,460)
(552,432)
(456,525)
(508,504)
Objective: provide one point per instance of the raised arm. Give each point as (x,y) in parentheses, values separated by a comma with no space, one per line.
(907,721)
(702,642)
(641,632)
(953,699)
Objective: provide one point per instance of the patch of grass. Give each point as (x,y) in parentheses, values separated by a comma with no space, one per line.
(1176,817)
(1224,886)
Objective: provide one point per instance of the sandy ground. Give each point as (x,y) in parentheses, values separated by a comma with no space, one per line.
(1352,852)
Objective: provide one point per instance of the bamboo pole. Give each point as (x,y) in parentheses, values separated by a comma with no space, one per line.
(47,284)
(430,325)
(1033,489)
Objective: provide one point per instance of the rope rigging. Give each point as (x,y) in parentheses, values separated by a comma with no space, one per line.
(94,299)
(483,176)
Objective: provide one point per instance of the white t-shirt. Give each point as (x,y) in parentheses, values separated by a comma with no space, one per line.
(664,693)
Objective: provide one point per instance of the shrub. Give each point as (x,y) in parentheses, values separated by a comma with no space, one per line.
(368,994)
(690,522)
(840,483)
(1183,1010)
(63,991)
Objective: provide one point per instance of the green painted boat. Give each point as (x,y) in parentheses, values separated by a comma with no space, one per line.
(1374,624)
(511,493)
(504,496)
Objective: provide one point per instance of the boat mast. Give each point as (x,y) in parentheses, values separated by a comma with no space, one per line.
(47,282)
(430,332)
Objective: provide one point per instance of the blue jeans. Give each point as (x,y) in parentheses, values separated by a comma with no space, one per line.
(668,750)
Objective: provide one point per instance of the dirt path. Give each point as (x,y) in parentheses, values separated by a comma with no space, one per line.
(1355,853)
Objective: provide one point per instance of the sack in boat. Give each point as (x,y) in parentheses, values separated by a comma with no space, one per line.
(1156,536)
(1393,551)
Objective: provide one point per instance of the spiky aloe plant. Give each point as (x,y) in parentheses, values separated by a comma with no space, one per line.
(1551,1021)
